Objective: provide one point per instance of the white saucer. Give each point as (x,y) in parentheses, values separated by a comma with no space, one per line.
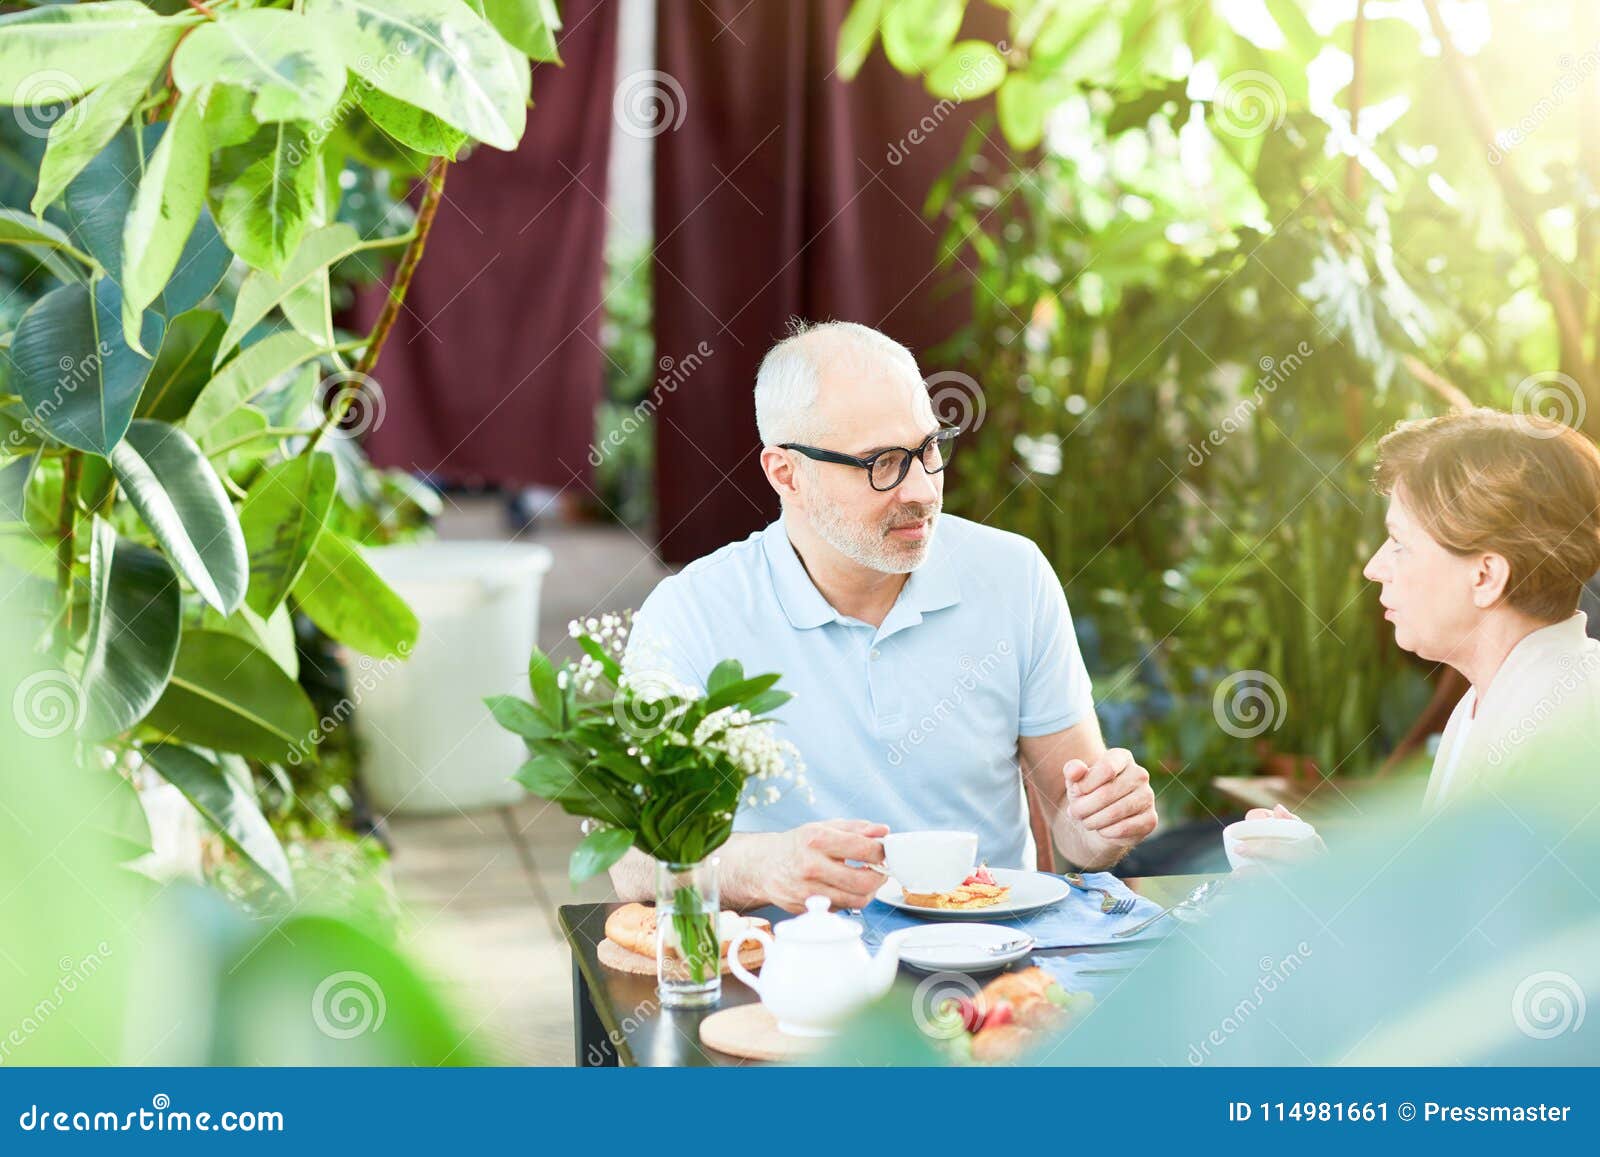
(963,947)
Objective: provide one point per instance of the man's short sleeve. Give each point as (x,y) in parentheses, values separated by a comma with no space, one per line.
(662,641)
(1056,693)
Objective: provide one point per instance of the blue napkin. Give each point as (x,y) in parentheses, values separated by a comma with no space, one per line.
(1073,922)
(1087,971)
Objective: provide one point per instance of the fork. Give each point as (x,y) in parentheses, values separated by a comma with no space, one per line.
(1110,903)
(1193,900)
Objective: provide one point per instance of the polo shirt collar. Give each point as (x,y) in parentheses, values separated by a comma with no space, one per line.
(931,587)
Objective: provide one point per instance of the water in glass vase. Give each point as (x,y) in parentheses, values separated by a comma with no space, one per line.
(688,944)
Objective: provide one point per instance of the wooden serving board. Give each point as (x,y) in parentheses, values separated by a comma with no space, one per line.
(751,1032)
(614,955)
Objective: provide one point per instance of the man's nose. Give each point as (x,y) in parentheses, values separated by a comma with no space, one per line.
(918,485)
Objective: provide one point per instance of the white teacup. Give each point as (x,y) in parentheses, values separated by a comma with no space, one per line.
(930,861)
(1285,839)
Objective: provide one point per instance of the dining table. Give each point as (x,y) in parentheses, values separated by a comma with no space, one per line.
(618,1020)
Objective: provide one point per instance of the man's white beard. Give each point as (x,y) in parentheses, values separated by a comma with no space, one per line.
(872,547)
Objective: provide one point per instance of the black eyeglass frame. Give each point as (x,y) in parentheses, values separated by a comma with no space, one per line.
(944,435)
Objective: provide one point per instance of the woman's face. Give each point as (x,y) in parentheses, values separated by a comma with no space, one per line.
(1431,595)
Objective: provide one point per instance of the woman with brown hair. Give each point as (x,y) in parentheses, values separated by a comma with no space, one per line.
(1494,527)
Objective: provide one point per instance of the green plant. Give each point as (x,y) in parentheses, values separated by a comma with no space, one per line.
(658,766)
(171,467)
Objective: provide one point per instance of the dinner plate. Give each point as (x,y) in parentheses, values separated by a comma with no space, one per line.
(963,947)
(1030,891)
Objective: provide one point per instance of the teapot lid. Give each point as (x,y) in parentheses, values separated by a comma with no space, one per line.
(817,925)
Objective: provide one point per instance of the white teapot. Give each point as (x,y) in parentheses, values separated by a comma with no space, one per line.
(816,970)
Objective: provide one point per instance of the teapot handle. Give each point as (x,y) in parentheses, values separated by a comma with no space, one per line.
(736,966)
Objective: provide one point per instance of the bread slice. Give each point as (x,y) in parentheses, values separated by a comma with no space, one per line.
(966,896)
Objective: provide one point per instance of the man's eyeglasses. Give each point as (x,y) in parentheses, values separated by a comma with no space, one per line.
(887,468)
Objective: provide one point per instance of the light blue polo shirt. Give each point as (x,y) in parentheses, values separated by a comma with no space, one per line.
(913,723)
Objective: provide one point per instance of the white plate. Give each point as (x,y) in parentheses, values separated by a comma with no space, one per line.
(1030,891)
(963,947)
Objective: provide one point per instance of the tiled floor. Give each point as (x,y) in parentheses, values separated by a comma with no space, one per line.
(480,890)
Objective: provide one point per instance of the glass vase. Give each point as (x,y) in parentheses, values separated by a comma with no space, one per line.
(688,946)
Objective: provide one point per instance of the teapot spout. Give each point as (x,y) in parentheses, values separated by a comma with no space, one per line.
(887,962)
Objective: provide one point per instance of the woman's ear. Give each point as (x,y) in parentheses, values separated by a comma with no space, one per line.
(1491,580)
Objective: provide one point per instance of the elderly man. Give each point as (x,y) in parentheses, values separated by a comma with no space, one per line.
(931,658)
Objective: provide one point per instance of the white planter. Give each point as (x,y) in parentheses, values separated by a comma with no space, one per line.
(429,743)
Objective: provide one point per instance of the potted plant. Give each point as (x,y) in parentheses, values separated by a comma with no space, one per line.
(656,766)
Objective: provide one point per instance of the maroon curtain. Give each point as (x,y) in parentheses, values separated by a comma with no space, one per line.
(493,370)
(784,191)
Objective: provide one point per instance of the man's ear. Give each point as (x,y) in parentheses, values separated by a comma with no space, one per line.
(779,467)
(1491,579)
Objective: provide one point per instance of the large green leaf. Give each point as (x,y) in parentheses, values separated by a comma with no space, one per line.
(181,499)
(78,377)
(225,795)
(229,696)
(273,634)
(19,228)
(438,55)
(134,608)
(918,33)
(91,124)
(597,852)
(254,368)
(165,208)
(972,68)
(263,193)
(411,126)
(286,59)
(261,290)
(857,34)
(62,51)
(282,515)
(182,366)
(530,25)
(344,596)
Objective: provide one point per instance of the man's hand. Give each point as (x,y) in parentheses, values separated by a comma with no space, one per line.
(1112,799)
(810,861)
(1267,850)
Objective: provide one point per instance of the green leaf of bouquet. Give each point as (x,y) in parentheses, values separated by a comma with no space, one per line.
(546,689)
(230,696)
(724,674)
(437,55)
(344,596)
(738,692)
(225,796)
(598,851)
(286,59)
(78,377)
(282,516)
(178,494)
(74,47)
(520,717)
(134,625)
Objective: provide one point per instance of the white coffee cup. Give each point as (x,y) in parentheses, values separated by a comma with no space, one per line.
(1286,834)
(930,861)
